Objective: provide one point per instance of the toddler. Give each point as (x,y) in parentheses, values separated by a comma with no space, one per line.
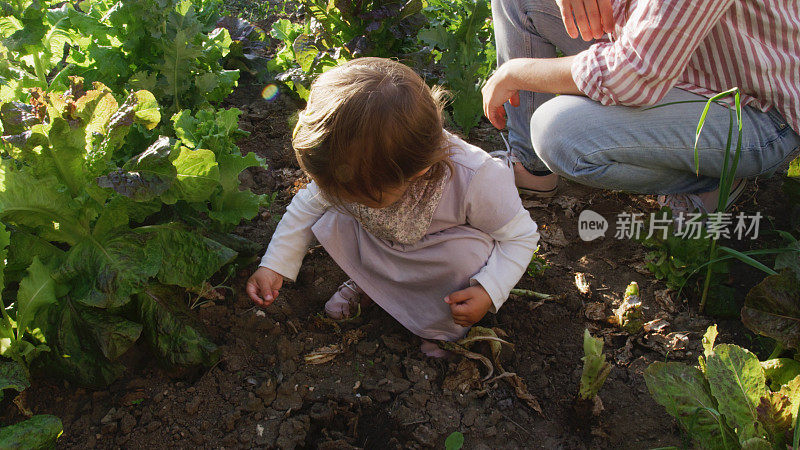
(429,227)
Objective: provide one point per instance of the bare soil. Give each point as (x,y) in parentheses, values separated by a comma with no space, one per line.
(381,392)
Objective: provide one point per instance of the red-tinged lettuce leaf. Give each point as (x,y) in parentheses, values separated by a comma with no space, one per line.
(187,259)
(771,308)
(172,338)
(146,176)
(17,117)
(74,353)
(113,334)
(38,432)
(792,391)
(775,415)
(104,274)
(13,375)
(685,393)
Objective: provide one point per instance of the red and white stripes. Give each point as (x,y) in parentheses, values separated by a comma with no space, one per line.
(702,46)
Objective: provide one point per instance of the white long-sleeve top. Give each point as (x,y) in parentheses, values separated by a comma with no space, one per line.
(480,193)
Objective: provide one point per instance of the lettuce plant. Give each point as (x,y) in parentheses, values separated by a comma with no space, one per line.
(99,252)
(726,402)
(460,34)
(171,48)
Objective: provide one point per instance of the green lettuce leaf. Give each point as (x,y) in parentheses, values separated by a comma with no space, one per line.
(686,395)
(104,274)
(780,371)
(36,292)
(197,176)
(188,259)
(47,208)
(737,382)
(75,354)
(38,432)
(113,334)
(174,341)
(13,375)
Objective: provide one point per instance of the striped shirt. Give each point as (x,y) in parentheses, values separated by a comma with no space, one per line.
(702,46)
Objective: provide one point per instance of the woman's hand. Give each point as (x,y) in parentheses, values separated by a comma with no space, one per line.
(263,286)
(469,305)
(592,17)
(500,88)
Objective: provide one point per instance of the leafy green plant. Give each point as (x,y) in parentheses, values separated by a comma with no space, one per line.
(38,432)
(454,441)
(771,309)
(595,371)
(537,266)
(460,34)
(336,31)
(168,47)
(677,260)
(725,402)
(595,367)
(93,245)
(247,49)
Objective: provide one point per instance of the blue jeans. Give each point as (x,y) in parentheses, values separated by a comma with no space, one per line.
(648,149)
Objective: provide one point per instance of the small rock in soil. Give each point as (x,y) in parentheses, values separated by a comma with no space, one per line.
(425,436)
(381,396)
(127,423)
(192,406)
(110,416)
(367,348)
(287,397)
(469,417)
(109,428)
(321,412)
(393,343)
(292,432)
(339,444)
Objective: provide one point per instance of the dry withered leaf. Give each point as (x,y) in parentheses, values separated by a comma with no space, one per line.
(324,354)
(596,311)
(582,283)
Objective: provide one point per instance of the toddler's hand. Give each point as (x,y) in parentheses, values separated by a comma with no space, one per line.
(469,305)
(263,286)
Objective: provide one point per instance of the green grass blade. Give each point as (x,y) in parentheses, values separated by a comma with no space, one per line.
(748,260)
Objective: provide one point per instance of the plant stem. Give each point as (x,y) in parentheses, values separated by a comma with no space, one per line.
(531,294)
(776,352)
(712,255)
(38,68)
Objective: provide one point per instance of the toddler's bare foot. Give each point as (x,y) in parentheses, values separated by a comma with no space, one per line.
(430,348)
(345,301)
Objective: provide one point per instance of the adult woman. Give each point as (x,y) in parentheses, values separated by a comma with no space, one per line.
(657,52)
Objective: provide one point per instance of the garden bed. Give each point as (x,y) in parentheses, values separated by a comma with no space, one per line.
(382,392)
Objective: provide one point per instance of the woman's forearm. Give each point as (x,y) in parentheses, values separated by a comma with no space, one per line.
(547,75)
